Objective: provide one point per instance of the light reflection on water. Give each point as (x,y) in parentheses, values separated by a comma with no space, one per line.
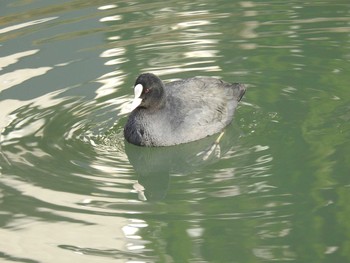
(69,181)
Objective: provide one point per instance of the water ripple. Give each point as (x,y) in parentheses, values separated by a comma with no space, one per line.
(26,24)
(69,181)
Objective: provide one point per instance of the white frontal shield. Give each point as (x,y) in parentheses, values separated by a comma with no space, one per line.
(137,100)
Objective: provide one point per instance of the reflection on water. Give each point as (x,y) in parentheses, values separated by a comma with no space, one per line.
(155,165)
(274,189)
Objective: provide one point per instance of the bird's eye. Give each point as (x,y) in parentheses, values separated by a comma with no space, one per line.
(147,90)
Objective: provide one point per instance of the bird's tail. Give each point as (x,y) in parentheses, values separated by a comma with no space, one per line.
(240,90)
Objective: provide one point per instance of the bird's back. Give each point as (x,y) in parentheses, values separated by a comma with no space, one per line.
(199,107)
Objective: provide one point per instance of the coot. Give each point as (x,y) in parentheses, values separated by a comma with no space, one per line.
(180,111)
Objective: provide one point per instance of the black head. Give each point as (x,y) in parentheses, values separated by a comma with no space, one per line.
(150,90)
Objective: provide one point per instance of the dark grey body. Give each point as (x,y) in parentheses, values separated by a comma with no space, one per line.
(194,108)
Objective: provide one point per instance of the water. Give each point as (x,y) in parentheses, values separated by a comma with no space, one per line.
(72,190)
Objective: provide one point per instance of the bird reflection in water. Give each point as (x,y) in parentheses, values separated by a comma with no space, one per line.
(154,165)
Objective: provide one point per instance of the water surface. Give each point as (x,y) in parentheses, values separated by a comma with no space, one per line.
(71,189)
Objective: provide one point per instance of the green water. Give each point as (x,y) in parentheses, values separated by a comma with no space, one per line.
(72,190)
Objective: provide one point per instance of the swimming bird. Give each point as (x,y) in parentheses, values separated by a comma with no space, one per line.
(180,111)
